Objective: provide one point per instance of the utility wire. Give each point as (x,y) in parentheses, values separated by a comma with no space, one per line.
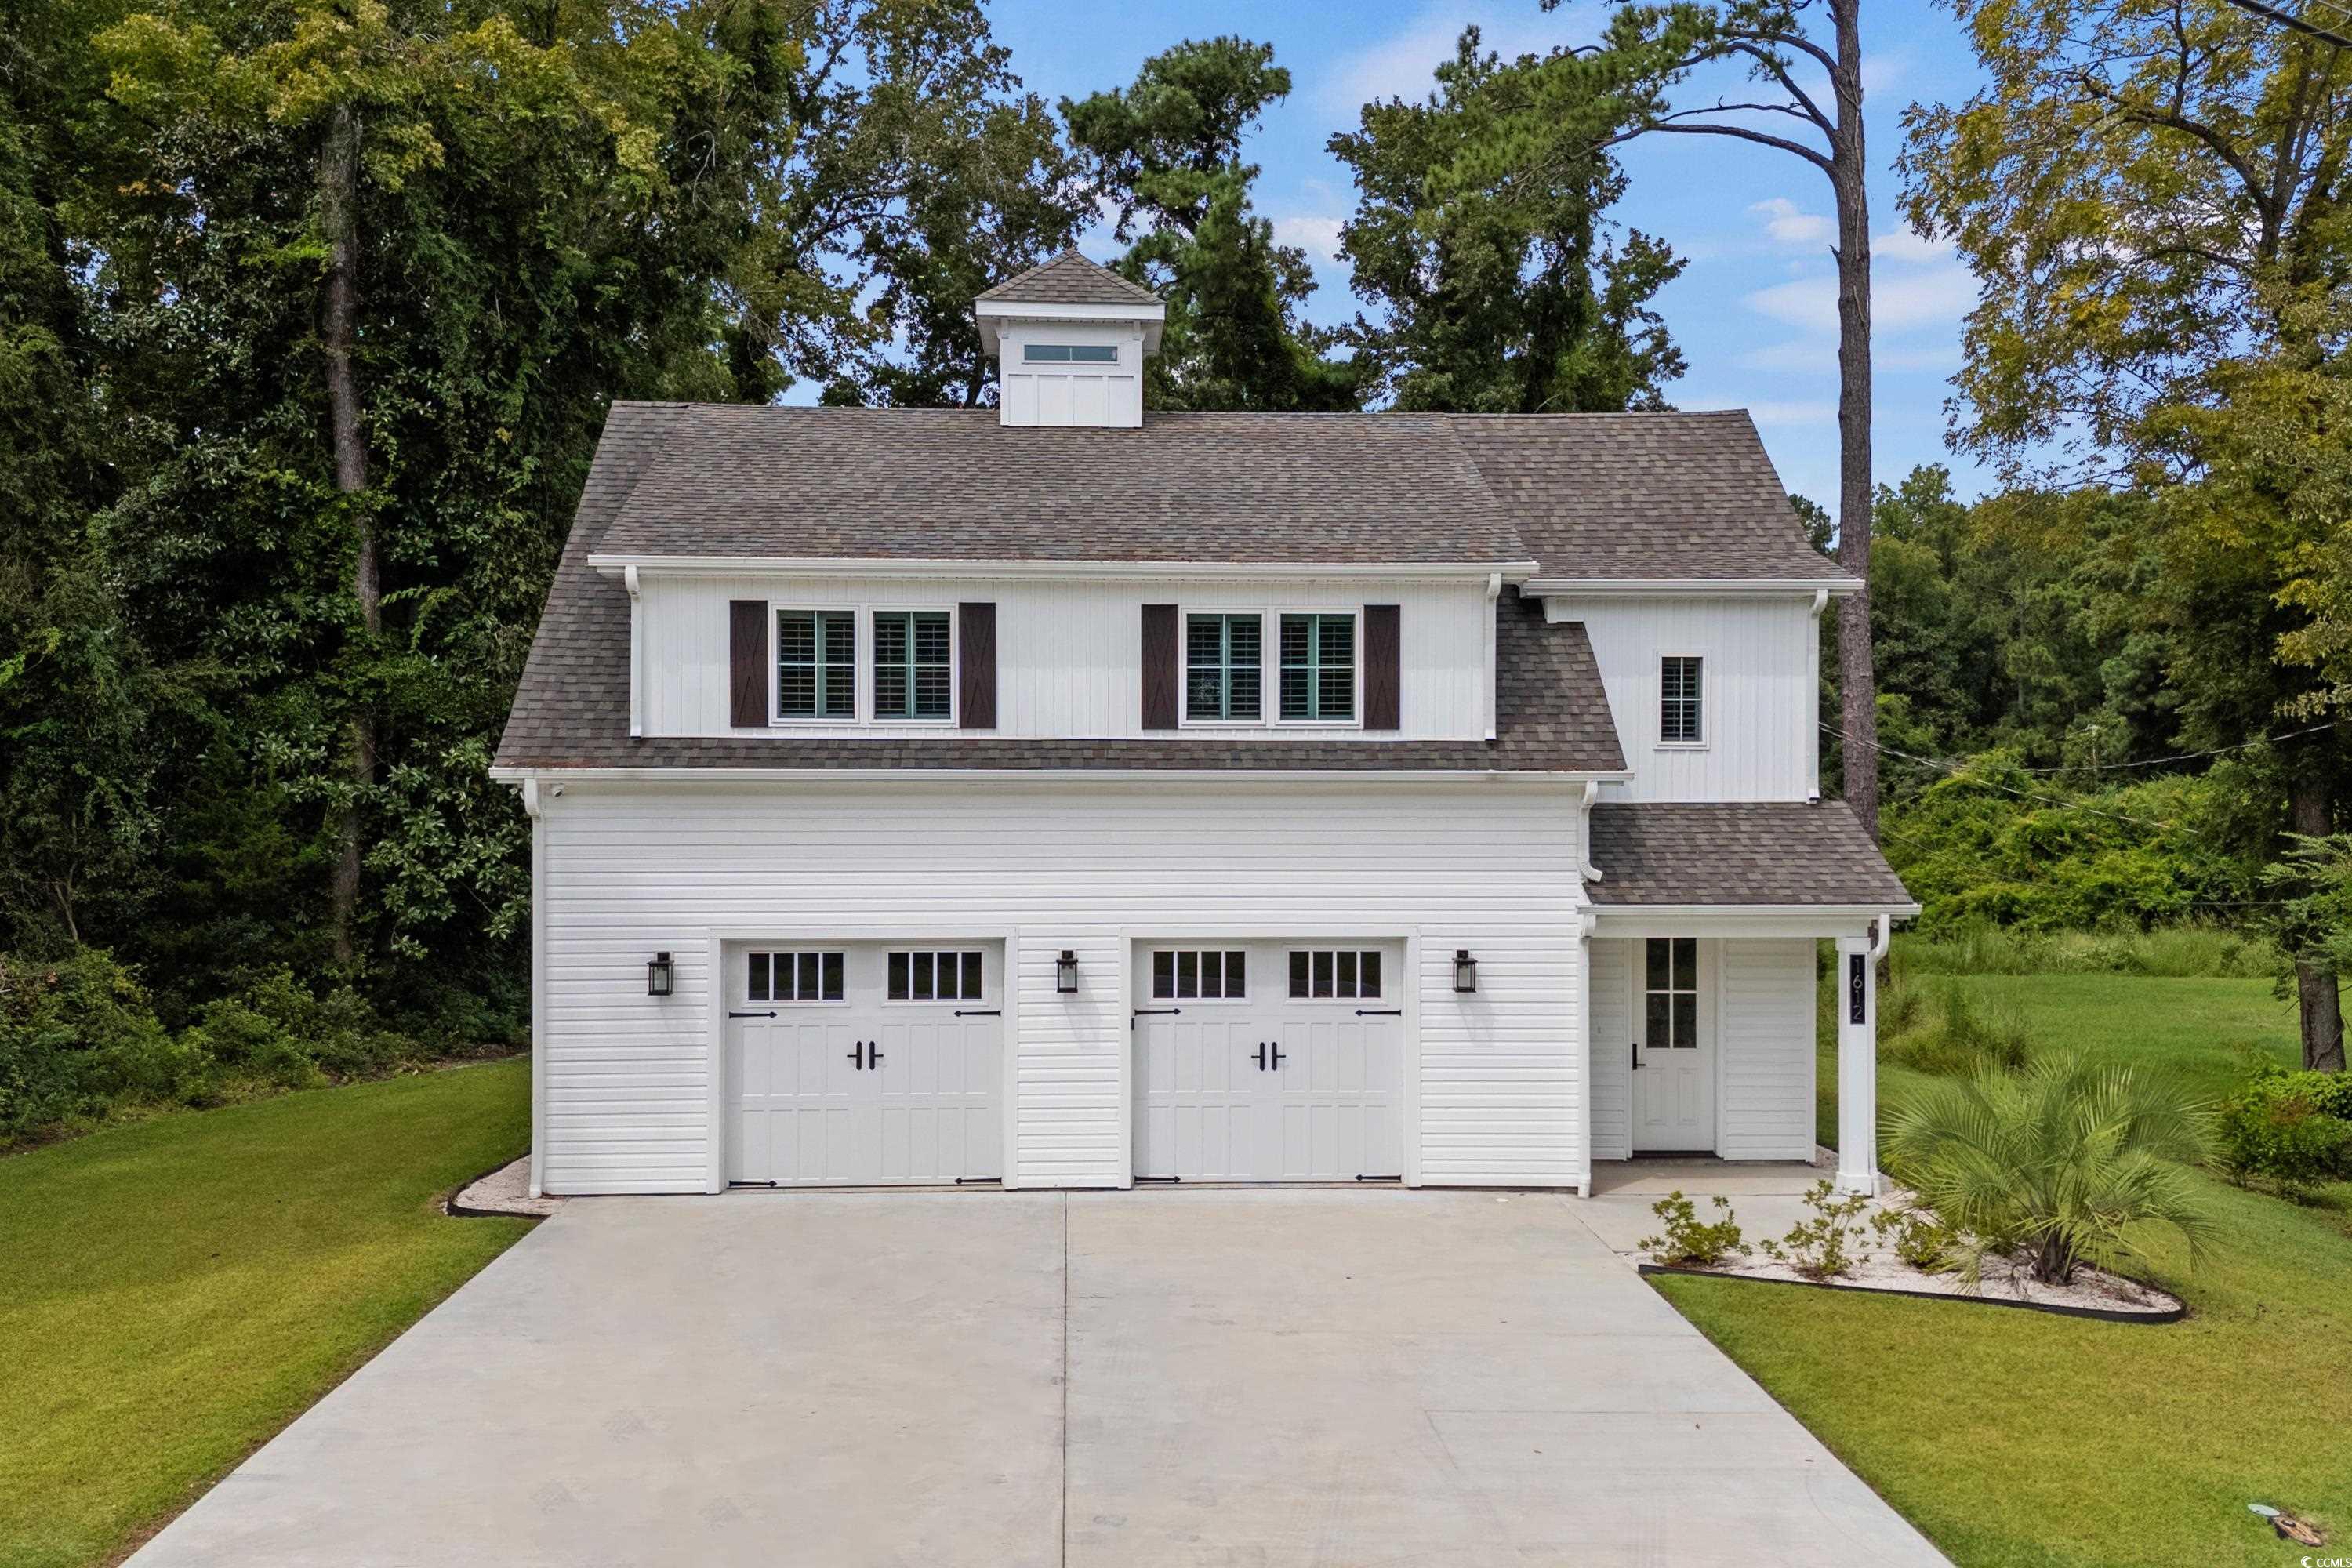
(2289,20)
(1960,770)
(1950,762)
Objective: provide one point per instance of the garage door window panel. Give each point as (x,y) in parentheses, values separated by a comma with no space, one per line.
(796,977)
(1202,974)
(1338,974)
(925,974)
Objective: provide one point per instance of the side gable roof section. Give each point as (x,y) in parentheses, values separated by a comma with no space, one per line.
(1732,854)
(732,482)
(1645,499)
(1068,278)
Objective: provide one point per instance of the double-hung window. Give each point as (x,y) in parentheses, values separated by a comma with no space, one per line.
(1318,667)
(914,665)
(1678,700)
(816,664)
(1223,667)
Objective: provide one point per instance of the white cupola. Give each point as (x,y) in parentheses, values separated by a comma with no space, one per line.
(1070,337)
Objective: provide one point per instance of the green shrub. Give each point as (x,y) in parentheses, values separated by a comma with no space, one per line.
(2289,1129)
(1820,1247)
(1951,1033)
(76,1035)
(1919,1237)
(2064,1163)
(1688,1241)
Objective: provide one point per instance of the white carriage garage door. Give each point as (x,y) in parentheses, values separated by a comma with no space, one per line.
(856,1064)
(1262,1061)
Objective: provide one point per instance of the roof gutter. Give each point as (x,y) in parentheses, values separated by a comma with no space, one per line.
(1691,587)
(518,776)
(872,565)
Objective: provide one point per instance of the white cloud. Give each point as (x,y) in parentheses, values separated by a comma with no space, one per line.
(1318,237)
(1902,245)
(1799,355)
(1790,224)
(1400,65)
(1882,72)
(1775,411)
(1940,293)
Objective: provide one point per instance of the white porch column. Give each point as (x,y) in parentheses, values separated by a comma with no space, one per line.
(1857,1004)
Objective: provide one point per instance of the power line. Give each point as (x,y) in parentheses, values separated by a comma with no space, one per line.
(1960,770)
(1950,762)
(2288,19)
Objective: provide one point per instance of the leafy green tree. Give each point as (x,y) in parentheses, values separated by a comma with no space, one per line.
(375,274)
(1546,117)
(1503,301)
(2154,198)
(1165,153)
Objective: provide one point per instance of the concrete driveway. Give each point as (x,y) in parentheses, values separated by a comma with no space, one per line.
(1116,1381)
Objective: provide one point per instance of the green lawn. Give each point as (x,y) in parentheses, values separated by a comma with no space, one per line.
(2016,1438)
(174,1292)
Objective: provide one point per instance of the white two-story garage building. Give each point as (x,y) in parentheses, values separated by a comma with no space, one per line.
(1061,795)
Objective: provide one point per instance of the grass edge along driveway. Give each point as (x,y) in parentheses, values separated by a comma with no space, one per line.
(177,1291)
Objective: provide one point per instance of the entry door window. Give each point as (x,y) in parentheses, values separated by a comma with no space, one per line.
(1672,987)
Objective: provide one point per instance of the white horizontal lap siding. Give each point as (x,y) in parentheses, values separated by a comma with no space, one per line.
(637,868)
(1069,653)
(1765,1012)
(1760,687)
(1612,1038)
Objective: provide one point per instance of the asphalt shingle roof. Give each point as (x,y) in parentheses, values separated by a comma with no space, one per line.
(1069,279)
(1643,496)
(572,708)
(1736,852)
(953,484)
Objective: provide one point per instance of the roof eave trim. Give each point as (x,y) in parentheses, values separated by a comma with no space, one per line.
(1741,919)
(1699,587)
(720,770)
(1153,317)
(892,565)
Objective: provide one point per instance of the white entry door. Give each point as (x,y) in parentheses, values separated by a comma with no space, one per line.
(864,1064)
(1269,1062)
(1674,1045)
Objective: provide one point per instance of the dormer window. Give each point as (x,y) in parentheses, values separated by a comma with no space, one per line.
(1069,354)
(914,665)
(816,664)
(1319,668)
(1224,668)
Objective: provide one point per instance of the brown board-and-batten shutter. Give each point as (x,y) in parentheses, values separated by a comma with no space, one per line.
(976,667)
(746,662)
(1383,668)
(1159,667)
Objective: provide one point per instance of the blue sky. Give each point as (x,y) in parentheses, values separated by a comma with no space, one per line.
(1755,310)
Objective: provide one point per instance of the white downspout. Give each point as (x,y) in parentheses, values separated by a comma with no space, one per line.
(1813,702)
(1494,593)
(1591,794)
(533,808)
(636,660)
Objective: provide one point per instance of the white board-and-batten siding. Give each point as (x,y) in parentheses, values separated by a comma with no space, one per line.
(629,869)
(1764,1046)
(1068,651)
(1761,685)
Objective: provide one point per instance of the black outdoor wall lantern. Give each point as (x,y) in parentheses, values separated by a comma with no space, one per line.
(1466,971)
(658,975)
(1065,973)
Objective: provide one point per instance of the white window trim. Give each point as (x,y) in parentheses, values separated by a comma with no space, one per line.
(1266,628)
(857,662)
(1273,656)
(1706,699)
(870,668)
(887,1000)
(1072,365)
(795,1003)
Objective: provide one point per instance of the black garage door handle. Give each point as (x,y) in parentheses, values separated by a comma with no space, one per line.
(769,1013)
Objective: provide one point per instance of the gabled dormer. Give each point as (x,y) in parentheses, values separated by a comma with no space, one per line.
(1070,339)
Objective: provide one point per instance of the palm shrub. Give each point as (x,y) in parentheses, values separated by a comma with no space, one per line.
(2060,1164)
